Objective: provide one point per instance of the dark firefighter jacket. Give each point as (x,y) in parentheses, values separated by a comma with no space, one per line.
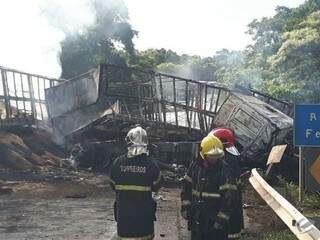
(208,196)
(134,180)
(236,218)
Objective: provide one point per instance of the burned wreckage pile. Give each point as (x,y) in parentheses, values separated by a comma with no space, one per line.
(98,108)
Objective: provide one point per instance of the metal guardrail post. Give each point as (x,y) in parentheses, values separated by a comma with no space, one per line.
(301,176)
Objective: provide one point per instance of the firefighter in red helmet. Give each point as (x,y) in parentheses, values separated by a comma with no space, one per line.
(232,157)
(209,192)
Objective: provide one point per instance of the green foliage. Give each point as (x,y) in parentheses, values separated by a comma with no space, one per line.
(291,191)
(275,235)
(169,62)
(192,67)
(232,70)
(226,67)
(287,51)
(151,58)
(280,235)
(298,59)
(283,61)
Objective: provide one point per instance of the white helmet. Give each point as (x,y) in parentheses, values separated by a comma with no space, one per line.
(137,141)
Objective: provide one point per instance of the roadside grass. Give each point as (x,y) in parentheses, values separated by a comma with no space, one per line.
(291,193)
(310,207)
(276,235)
(280,235)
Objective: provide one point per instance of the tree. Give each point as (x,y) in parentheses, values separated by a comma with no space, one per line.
(297,61)
(108,40)
(192,67)
(286,52)
(151,58)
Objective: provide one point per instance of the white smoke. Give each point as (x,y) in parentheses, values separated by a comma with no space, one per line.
(31,32)
(70,16)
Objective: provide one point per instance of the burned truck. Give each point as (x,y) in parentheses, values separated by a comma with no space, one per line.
(105,102)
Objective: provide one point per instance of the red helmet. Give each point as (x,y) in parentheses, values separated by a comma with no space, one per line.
(227,138)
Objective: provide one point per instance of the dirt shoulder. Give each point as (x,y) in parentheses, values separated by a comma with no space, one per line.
(63,204)
(56,205)
(56,183)
(72,205)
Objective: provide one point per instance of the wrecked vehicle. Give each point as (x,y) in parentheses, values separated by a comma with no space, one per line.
(109,99)
(257,125)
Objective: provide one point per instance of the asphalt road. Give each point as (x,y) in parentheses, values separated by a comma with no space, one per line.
(80,218)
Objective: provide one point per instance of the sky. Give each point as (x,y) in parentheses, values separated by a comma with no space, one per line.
(31,30)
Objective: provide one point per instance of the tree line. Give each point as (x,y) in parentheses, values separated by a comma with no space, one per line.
(283,60)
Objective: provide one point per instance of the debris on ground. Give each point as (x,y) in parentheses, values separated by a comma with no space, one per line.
(259,217)
(29,149)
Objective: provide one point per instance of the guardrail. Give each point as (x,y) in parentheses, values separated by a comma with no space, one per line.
(297,223)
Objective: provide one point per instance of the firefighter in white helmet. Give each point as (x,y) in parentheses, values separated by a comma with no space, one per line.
(134,176)
(209,192)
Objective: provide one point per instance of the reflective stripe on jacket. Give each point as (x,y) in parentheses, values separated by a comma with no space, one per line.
(236,218)
(134,179)
(211,193)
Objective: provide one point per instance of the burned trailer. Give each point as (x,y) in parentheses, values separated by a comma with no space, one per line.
(179,153)
(104,103)
(173,108)
(257,126)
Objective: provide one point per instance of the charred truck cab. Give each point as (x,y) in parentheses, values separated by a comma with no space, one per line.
(257,125)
